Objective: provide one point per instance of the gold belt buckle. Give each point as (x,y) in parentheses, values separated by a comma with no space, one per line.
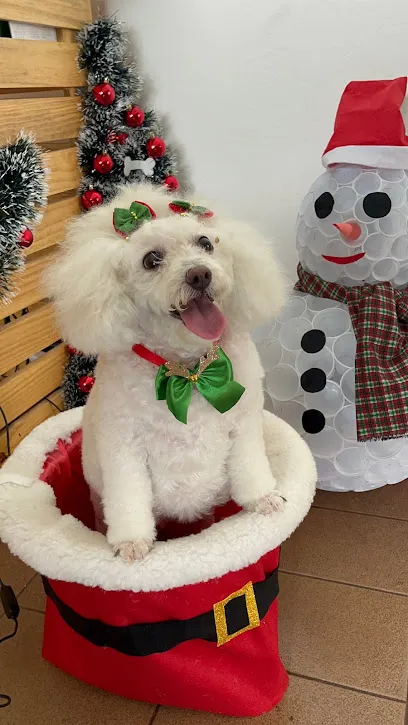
(221,620)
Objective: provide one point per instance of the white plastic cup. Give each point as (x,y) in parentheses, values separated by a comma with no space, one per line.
(282,383)
(351,461)
(292,331)
(270,352)
(264,332)
(385,270)
(345,423)
(291,411)
(344,352)
(387,470)
(288,357)
(348,385)
(384,449)
(329,400)
(334,322)
(294,308)
(316,304)
(323,360)
(325,444)
(325,469)
(367,183)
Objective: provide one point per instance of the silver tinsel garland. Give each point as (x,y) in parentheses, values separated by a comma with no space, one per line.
(23,191)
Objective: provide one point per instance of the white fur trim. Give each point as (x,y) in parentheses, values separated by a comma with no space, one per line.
(378,157)
(61,547)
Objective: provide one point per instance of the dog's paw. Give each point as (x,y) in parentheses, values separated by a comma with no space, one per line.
(131,551)
(271,504)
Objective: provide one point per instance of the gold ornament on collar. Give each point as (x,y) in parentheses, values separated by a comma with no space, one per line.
(182,370)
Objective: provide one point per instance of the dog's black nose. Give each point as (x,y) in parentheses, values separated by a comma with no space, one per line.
(199,277)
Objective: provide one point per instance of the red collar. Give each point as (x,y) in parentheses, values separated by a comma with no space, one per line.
(151,357)
(148,355)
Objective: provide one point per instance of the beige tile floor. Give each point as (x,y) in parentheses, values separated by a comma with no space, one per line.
(343,622)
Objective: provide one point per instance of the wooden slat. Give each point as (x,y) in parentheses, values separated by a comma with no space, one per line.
(59,13)
(38,64)
(67,36)
(64,170)
(51,230)
(24,337)
(24,425)
(25,388)
(50,119)
(28,283)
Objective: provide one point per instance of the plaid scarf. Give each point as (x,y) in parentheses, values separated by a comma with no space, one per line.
(379,315)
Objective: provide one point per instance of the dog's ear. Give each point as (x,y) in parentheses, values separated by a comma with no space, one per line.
(94,313)
(260,285)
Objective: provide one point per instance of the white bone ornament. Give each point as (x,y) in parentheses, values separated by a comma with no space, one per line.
(144,165)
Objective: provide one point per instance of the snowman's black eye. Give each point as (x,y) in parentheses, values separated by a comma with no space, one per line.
(377,204)
(324,205)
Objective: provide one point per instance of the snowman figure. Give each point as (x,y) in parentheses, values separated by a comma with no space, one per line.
(336,360)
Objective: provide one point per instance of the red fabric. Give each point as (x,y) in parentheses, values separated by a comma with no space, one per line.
(148,355)
(63,471)
(242,677)
(369,115)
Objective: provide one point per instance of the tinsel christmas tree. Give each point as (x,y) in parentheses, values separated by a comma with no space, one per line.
(119,142)
(23,191)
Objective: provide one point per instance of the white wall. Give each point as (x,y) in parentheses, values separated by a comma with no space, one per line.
(251,88)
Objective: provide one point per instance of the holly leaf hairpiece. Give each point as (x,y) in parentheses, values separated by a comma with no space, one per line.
(186,207)
(126,221)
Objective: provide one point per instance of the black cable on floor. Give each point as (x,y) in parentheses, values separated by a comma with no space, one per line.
(11,610)
(6,423)
(54,404)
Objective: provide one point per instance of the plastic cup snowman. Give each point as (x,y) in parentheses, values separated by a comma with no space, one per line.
(335,362)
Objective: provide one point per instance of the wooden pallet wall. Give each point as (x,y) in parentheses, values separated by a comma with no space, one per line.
(37,93)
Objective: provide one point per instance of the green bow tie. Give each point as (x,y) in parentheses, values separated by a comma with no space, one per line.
(126,221)
(212,376)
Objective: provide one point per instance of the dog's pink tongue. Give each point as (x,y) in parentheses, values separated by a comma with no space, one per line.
(204,319)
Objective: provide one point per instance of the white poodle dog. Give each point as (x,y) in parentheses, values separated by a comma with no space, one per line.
(168,433)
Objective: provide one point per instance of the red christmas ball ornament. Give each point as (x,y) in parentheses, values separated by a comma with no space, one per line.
(103,163)
(86,383)
(155,147)
(26,238)
(134,117)
(72,350)
(91,198)
(171,182)
(122,138)
(104,94)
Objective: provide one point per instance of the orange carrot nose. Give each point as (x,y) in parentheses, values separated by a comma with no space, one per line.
(349,230)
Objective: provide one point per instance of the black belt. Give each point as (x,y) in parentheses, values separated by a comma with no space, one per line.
(241,611)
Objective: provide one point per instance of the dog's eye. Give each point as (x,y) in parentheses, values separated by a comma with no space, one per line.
(205,243)
(151,260)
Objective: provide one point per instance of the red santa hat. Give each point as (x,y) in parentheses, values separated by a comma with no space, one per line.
(369,129)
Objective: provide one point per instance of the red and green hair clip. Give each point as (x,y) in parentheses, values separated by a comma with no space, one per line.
(126,221)
(186,207)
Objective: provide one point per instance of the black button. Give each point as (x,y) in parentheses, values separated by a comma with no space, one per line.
(313,421)
(313,341)
(313,380)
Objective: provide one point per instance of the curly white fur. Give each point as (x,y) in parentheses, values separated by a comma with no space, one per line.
(140,461)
